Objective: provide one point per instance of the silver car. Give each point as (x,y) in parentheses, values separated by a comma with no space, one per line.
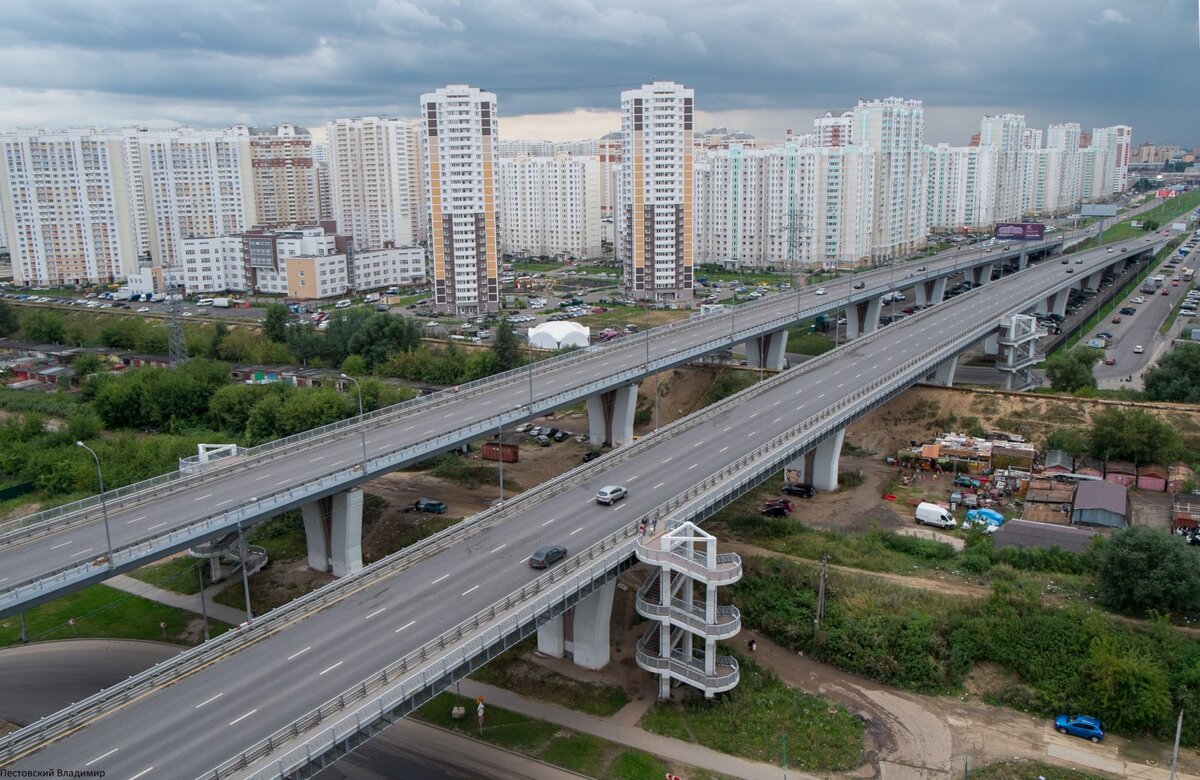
(610,494)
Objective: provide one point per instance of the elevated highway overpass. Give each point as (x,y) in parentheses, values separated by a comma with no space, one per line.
(312,680)
(54,552)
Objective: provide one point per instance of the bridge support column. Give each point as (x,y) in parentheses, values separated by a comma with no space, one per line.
(991,344)
(863,318)
(1022,261)
(819,467)
(931,292)
(767,351)
(610,416)
(1058,302)
(982,274)
(589,628)
(551,638)
(333,529)
(1093,281)
(944,374)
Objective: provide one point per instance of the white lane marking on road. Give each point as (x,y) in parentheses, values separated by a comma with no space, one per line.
(337,463)
(822,395)
(843,384)
(373,614)
(498,549)
(726,428)
(694,465)
(223,503)
(577,530)
(106,755)
(697,444)
(668,460)
(145,771)
(134,520)
(241,718)
(656,487)
(722,450)
(264,476)
(6,579)
(752,433)
(777,419)
(777,403)
(330,668)
(64,544)
(856,376)
(754,415)
(427,432)
(406,625)
(551,520)
(283,482)
(450,414)
(299,653)
(209,700)
(635,476)
(468,590)
(409,428)
(577,373)
(157,525)
(81,552)
(439,579)
(201,498)
(314,460)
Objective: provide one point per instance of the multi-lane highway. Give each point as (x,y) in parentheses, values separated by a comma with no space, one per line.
(249,492)
(188,727)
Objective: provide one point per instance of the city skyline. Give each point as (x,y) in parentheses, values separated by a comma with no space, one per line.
(559,67)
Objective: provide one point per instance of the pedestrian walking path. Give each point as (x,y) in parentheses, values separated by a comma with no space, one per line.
(181,600)
(617,729)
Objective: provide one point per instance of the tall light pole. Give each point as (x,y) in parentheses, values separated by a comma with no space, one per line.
(362,420)
(103,505)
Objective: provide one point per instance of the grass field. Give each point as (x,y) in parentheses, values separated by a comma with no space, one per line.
(538,268)
(177,575)
(513,673)
(1028,770)
(1163,214)
(619,316)
(751,720)
(99,611)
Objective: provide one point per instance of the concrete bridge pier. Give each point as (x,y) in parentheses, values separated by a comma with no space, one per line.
(931,292)
(944,374)
(982,274)
(1093,280)
(1022,261)
(333,529)
(767,351)
(1058,302)
(582,631)
(610,416)
(819,467)
(863,318)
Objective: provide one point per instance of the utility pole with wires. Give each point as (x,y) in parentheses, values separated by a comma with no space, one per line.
(173,306)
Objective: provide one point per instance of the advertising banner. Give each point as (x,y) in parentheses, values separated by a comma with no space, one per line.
(1021,231)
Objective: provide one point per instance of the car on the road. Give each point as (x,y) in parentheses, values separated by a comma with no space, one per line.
(611,494)
(187,314)
(143,309)
(1139,299)
(1128,311)
(1110,361)
(1079,260)
(1166,291)
(820,291)
(430,505)
(547,556)
(1174,284)
(1110,249)
(1138,350)
(1080,726)
(1070,270)
(859,285)
(1104,335)
(1115,320)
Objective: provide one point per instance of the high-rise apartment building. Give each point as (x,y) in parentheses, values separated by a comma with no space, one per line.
(654,197)
(549,206)
(285,176)
(458,134)
(66,207)
(1114,142)
(375,180)
(834,129)
(609,147)
(1006,134)
(962,186)
(324,183)
(895,129)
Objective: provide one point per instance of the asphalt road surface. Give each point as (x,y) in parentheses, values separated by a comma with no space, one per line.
(192,725)
(132,522)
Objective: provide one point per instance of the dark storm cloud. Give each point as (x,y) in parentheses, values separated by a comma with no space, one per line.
(1113,60)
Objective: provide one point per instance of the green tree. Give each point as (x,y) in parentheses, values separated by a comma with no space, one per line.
(43,326)
(9,322)
(153,341)
(304,342)
(240,345)
(1072,370)
(507,347)
(1072,440)
(84,425)
(379,335)
(354,365)
(213,349)
(1129,687)
(230,408)
(87,364)
(1134,435)
(1176,377)
(121,332)
(1145,569)
(276,322)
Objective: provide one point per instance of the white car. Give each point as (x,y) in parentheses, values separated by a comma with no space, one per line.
(1138,350)
(820,291)
(143,309)
(1139,299)
(187,314)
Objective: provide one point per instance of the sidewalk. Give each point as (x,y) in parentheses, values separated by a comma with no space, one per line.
(618,729)
(216,611)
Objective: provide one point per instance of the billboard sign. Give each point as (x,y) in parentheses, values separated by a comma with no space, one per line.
(1021,231)
(1179,227)
(1099,210)
(1164,194)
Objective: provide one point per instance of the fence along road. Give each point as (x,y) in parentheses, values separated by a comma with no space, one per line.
(51,553)
(314,656)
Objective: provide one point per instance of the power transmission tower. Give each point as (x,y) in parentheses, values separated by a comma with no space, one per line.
(795,241)
(173,305)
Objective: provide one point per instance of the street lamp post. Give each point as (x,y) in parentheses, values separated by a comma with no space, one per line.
(103,505)
(362,420)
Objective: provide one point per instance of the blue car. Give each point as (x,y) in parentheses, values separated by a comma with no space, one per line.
(1080,726)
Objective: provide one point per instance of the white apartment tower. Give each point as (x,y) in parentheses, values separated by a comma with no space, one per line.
(895,129)
(65,207)
(654,196)
(458,133)
(324,181)
(285,176)
(962,187)
(1005,134)
(1114,142)
(549,206)
(834,129)
(375,180)
(1063,168)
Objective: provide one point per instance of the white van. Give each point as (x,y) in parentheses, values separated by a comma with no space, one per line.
(932,514)
(344,303)
(205,302)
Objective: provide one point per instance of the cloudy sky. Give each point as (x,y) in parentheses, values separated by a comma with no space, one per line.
(558,65)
